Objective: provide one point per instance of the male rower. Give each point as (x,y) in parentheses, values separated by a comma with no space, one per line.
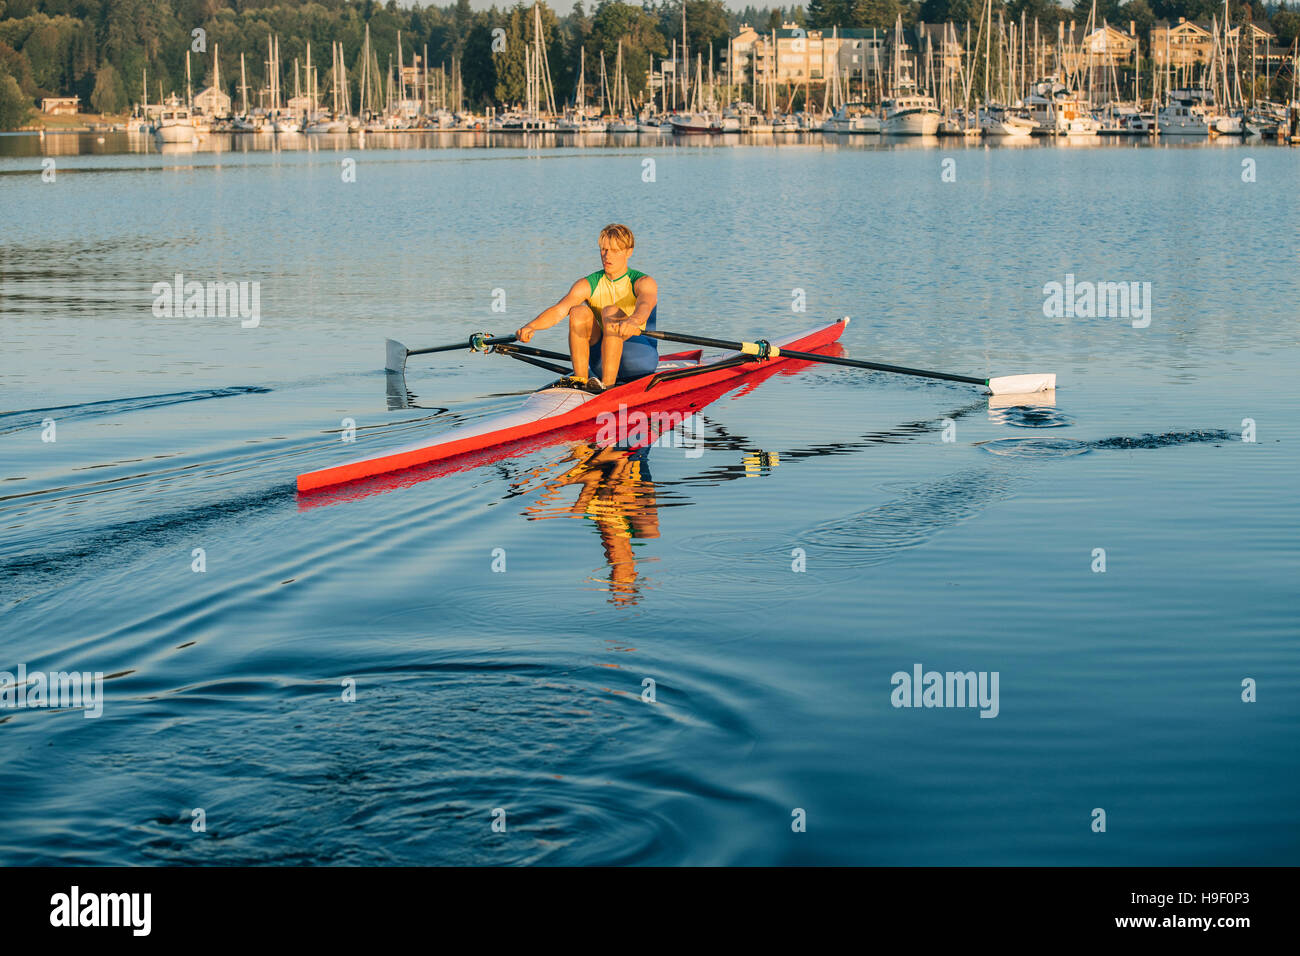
(607,310)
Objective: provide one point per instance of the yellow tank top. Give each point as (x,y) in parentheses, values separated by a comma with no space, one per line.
(620,292)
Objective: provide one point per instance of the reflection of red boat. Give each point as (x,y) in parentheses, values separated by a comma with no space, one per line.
(553,415)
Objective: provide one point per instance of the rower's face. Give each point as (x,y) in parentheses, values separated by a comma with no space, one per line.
(614,258)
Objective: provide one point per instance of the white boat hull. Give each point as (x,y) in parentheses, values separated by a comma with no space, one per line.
(1009,128)
(1184,129)
(1081,127)
(176,133)
(858,125)
(911,124)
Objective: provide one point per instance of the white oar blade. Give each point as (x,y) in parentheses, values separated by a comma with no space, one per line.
(394,356)
(1022,384)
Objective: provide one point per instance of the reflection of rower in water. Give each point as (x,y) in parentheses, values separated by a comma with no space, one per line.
(617,493)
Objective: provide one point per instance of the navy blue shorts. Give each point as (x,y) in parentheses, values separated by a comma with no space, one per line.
(640,357)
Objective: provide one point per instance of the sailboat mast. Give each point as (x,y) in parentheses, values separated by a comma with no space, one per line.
(685,81)
(604,86)
(578,95)
(365,73)
(619,105)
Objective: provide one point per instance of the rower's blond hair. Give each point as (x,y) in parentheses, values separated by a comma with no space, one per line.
(619,235)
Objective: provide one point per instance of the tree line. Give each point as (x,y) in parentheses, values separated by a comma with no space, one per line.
(100,50)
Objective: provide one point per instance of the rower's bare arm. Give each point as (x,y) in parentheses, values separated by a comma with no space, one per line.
(557,313)
(647,297)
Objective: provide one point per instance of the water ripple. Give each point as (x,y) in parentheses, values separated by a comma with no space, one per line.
(1039,448)
(1034,448)
(1030,416)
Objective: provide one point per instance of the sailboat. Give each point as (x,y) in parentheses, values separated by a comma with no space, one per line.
(908,112)
(371,109)
(244,123)
(622,121)
(698,119)
(538,89)
(335,121)
(852,117)
(577,119)
(1225,119)
(280,122)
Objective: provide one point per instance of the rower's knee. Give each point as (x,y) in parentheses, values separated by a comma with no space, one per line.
(581,317)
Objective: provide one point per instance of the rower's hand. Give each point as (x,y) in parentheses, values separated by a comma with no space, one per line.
(525,335)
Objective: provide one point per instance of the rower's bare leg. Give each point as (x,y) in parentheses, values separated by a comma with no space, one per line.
(611,349)
(583,331)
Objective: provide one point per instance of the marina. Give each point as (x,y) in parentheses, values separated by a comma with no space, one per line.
(997,79)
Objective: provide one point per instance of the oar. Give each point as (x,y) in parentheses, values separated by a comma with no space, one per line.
(1004,385)
(395,353)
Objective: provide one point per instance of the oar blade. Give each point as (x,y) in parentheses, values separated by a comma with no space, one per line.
(1023,384)
(394,356)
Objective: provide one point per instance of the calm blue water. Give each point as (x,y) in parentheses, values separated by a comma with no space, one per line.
(478,689)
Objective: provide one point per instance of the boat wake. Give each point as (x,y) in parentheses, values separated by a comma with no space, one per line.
(909,521)
(915,517)
(28,573)
(33,417)
(1039,448)
(1167,439)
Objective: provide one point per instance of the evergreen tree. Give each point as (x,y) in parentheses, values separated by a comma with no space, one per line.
(875,13)
(15,106)
(824,14)
(109,95)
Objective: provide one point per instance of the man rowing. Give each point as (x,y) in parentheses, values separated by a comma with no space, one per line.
(607,311)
